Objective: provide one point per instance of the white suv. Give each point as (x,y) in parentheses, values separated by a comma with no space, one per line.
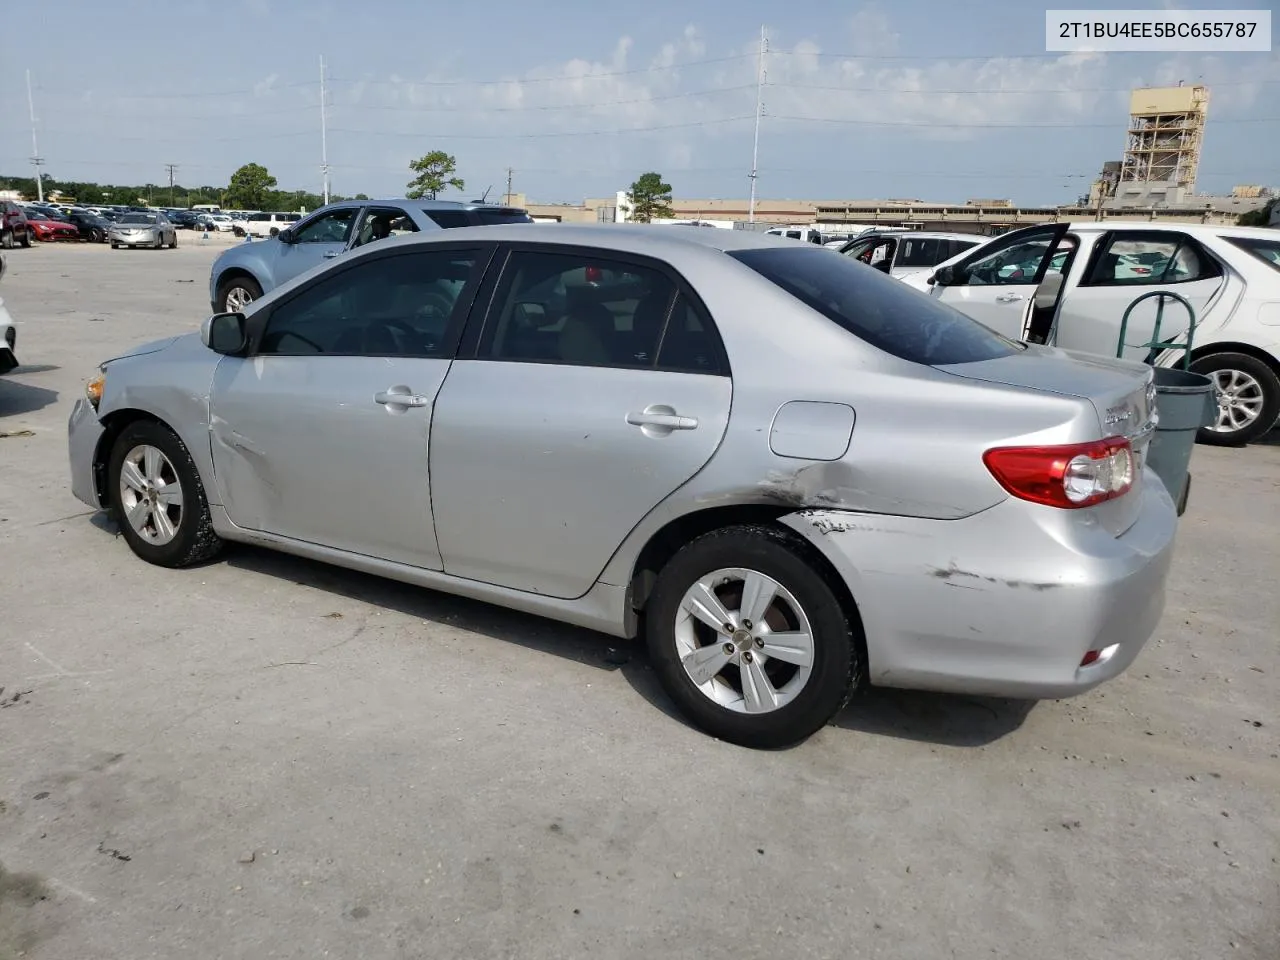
(269,224)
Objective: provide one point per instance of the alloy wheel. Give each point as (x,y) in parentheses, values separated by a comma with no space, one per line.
(151,494)
(1240,400)
(744,640)
(237,299)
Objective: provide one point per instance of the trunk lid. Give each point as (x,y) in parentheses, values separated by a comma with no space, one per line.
(1122,393)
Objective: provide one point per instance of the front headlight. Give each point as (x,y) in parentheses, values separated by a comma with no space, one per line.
(93,389)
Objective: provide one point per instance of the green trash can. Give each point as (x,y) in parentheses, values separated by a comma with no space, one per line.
(1184,404)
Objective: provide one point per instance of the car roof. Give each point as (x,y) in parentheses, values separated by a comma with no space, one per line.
(658,241)
(423,204)
(924,234)
(1195,229)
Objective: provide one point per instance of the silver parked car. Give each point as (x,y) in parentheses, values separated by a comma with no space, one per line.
(788,471)
(245,272)
(140,229)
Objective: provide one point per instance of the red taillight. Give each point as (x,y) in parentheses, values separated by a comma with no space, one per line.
(1070,476)
(1093,656)
(594,275)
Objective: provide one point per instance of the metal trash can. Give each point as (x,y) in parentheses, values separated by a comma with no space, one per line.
(1185,403)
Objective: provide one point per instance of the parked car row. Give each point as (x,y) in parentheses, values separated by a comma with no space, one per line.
(654,432)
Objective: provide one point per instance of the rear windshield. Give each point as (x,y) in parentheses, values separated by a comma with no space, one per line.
(884,312)
(1268,251)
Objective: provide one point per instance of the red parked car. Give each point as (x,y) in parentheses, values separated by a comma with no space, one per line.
(13,225)
(46,228)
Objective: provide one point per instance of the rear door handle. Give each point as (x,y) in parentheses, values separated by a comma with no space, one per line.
(401,398)
(658,419)
(1008,298)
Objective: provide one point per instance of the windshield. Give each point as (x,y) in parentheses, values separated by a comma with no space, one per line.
(876,308)
(138,218)
(1268,251)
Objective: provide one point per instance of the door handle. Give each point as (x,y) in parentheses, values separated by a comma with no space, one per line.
(658,420)
(401,398)
(1009,298)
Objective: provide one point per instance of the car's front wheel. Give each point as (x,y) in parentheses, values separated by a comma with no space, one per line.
(157,497)
(749,639)
(237,293)
(1247,393)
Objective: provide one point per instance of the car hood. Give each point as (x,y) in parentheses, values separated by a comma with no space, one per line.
(154,346)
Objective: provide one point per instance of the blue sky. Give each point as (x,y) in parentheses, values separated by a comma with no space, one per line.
(580,97)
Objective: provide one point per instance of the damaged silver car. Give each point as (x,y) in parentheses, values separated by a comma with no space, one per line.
(791,474)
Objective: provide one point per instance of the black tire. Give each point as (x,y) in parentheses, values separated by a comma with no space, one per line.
(792,563)
(1266,379)
(26,238)
(248,284)
(274,231)
(6,240)
(173,245)
(115,246)
(195,540)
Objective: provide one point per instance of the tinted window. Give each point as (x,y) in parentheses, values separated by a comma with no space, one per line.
(491,216)
(382,222)
(401,306)
(1268,251)
(884,312)
(1131,259)
(578,309)
(450,218)
(691,343)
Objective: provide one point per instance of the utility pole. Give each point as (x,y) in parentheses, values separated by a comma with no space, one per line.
(507,202)
(172,168)
(324,133)
(755,146)
(37,161)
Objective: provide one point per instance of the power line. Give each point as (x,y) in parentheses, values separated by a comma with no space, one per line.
(934,91)
(558,79)
(983,125)
(475,109)
(543,136)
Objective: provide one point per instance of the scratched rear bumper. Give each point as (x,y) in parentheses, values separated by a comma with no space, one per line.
(1006,602)
(84,431)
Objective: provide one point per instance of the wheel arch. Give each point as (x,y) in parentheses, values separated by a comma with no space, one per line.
(1233,346)
(113,424)
(676,533)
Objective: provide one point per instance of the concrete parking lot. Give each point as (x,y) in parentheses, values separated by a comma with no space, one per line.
(267,757)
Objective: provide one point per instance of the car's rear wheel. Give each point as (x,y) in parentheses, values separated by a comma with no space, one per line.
(6,239)
(1247,392)
(749,639)
(173,244)
(26,238)
(157,497)
(237,293)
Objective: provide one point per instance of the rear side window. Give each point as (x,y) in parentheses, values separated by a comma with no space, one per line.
(450,218)
(884,312)
(1268,251)
(487,217)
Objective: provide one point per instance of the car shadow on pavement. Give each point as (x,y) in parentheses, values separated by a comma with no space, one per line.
(536,633)
(17,397)
(948,719)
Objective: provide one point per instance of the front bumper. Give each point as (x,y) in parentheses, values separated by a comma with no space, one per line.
(84,432)
(135,239)
(1004,603)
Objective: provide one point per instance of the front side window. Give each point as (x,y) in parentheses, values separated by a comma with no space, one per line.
(575,308)
(1015,264)
(331,227)
(400,306)
(1137,259)
(875,308)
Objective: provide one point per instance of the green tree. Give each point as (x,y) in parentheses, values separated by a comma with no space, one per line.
(1256,218)
(434,172)
(250,187)
(650,198)
(361,196)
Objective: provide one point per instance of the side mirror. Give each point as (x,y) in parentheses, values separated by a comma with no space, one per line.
(285,235)
(225,333)
(944,276)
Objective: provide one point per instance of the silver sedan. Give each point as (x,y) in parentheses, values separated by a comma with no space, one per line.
(790,473)
(142,229)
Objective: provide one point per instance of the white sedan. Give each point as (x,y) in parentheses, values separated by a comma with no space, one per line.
(1069,285)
